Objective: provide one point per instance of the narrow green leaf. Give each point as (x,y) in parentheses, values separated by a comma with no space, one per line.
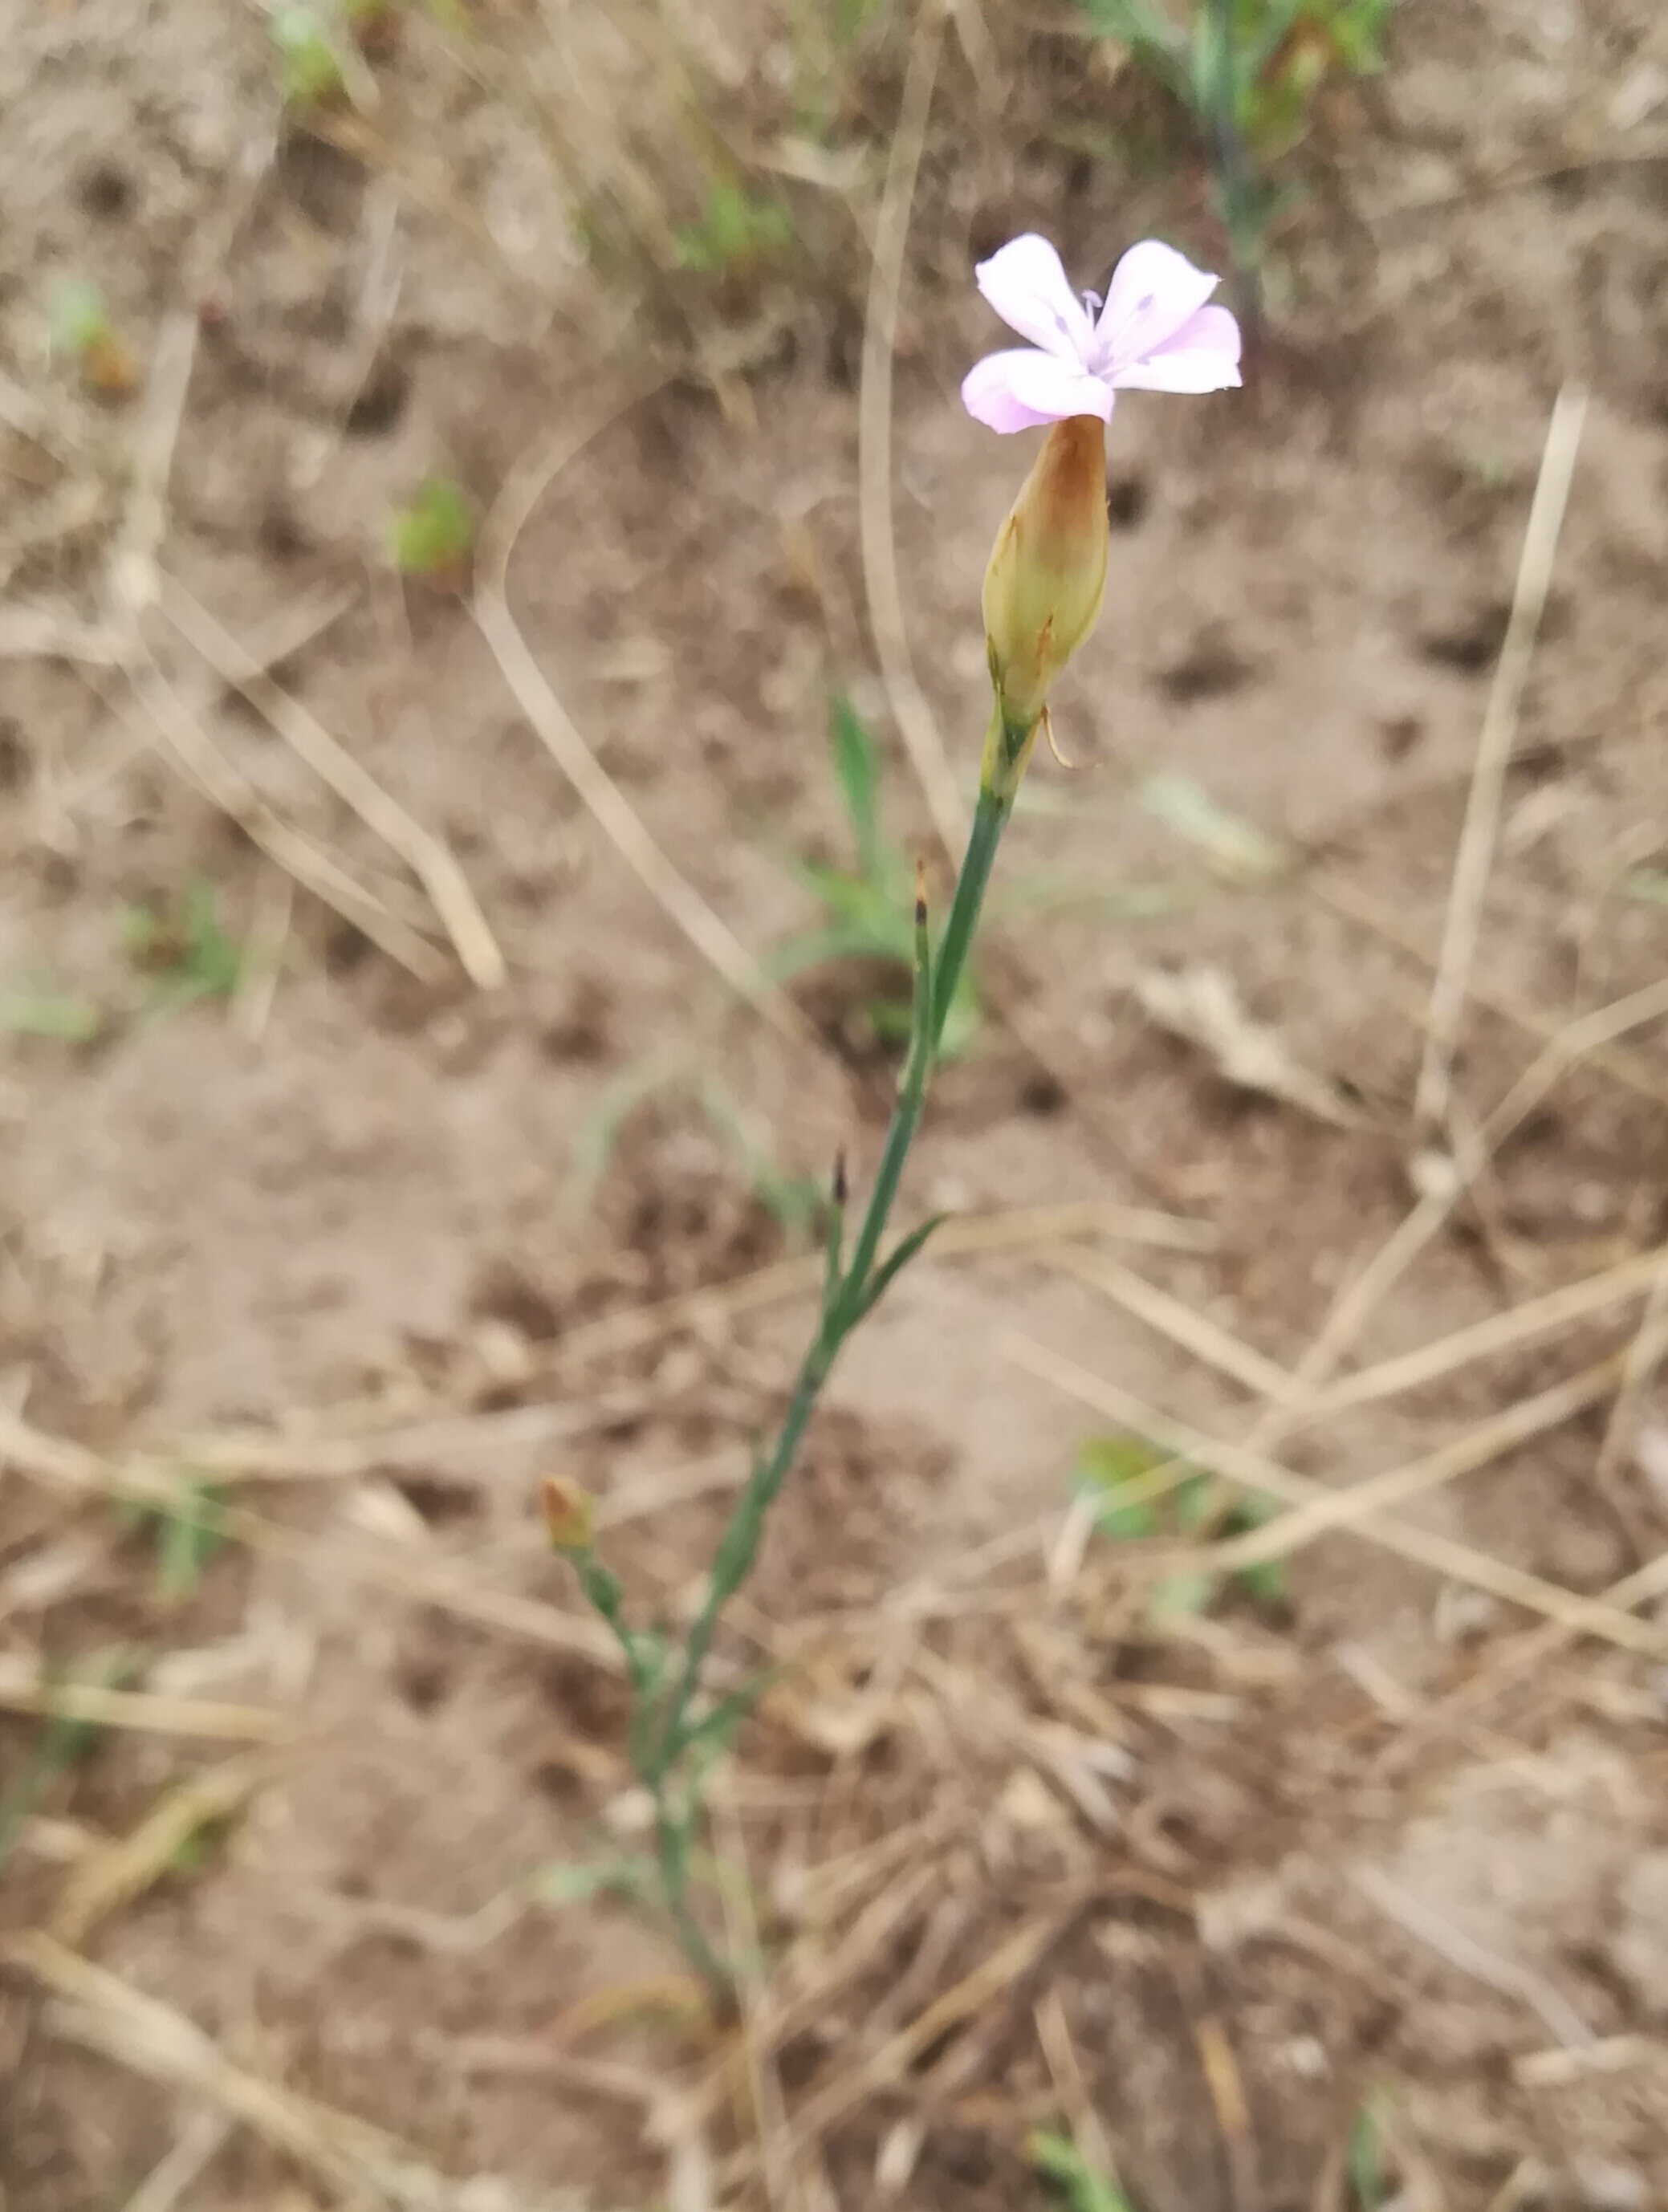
(1368,2179)
(1060,2162)
(815,948)
(857,770)
(1236,846)
(882,1281)
(57,1016)
(962,1018)
(715,1731)
(1126,1524)
(187,1537)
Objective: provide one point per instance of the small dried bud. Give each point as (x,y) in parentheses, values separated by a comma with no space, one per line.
(842,1189)
(1047,577)
(569,1512)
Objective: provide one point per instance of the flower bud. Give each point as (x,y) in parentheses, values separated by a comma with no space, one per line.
(1047,577)
(569,1512)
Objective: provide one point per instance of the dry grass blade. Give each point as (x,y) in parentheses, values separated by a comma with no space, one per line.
(430,861)
(1474,858)
(1500,1333)
(106,2013)
(991,1978)
(1639,1372)
(911,710)
(24,1689)
(144,523)
(1238,1463)
(1645,1586)
(1201,1004)
(1232,2109)
(1467,1956)
(1361,1294)
(50,633)
(202,2138)
(1580,1040)
(1504,1332)
(810,1980)
(1066,2072)
(1378,1493)
(446,1585)
(360,2162)
(181,740)
(1193,1331)
(114,1875)
(672,892)
(1607,2054)
(1613,1060)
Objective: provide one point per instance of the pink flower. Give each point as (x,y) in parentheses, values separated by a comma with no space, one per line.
(1154,334)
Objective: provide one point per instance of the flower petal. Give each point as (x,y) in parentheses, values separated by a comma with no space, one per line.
(1154,291)
(1025,284)
(1203,355)
(1017,390)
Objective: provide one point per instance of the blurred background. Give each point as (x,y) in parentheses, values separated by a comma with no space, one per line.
(490,549)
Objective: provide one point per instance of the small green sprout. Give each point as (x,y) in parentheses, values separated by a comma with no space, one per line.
(180,941)
(184,1532)
(793,1202)
(433,535)
(1369,2157)
(1139,1501)
(63,1743)
(1077,2183)
(57,1016)
(84,332)
(869,909)
(738,229)
(310,71)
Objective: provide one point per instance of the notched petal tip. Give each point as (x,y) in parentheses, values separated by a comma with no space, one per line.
(1154,293)
(1203,355)
(1026,282)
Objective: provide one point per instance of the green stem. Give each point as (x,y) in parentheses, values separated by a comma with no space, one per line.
(737,1548)
(988,822)
(671,1853)
(844,1306)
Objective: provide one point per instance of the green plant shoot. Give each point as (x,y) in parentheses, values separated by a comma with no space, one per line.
(433,535)
(310,67)
(867,906)
(1041,597)
(1248,71)
(737,230)
(84,332)
(182,943)
(1146,1494)
(1079,2185)
(184,1532)
(43,1010)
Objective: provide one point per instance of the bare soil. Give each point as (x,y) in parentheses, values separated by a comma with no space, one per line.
(1218,1881)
